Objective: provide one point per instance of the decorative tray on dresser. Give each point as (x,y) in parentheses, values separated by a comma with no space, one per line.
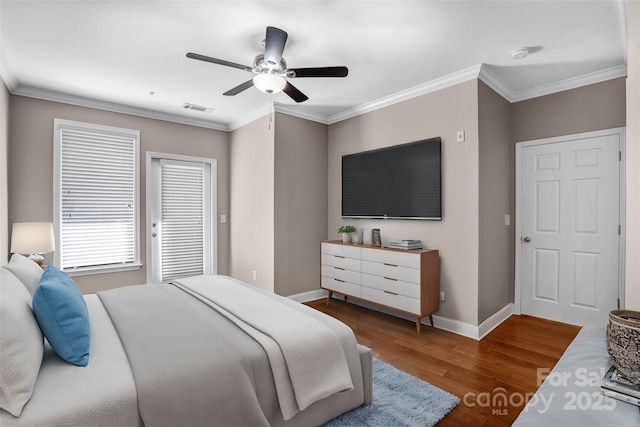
(407,281)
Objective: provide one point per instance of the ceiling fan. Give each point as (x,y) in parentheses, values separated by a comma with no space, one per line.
(270,69)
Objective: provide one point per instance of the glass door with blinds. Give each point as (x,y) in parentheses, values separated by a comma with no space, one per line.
(180,225)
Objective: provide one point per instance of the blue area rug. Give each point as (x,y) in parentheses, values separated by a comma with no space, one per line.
(399,400)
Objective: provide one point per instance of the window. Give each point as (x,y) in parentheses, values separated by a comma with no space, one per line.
(96,197)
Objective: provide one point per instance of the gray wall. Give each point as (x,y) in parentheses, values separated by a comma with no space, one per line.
(274,183)
(584,109)
(252,202)
(278,190)
(300,203)
(441,113)
(31,168)
(495,255)
(476,248)
(4,188)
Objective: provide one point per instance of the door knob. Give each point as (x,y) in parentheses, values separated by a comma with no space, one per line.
(526,239)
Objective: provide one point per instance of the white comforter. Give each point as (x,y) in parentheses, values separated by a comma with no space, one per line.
(104,393)
(292,341)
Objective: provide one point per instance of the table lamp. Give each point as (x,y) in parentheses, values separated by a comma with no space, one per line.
(33,239)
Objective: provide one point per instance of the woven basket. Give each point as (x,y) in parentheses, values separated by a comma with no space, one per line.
(623,343)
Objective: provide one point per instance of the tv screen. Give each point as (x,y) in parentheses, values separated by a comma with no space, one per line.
(403,181)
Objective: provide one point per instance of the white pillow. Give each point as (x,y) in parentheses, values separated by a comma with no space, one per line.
(21,344)
(26,270)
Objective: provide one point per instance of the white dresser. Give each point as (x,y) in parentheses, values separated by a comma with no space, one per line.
(405,281)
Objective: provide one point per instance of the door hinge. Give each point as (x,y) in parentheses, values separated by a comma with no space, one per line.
(619,230)
(618,303)
(619,156)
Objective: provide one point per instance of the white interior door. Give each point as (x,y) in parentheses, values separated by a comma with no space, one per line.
(180,218)
(569,218)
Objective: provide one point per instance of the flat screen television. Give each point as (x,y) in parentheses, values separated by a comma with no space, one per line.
(398,182)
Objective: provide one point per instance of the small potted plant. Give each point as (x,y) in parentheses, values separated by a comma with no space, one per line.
(346,231)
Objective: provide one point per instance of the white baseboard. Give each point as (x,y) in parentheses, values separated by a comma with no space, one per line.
(456,326)
(495,320)
(440,322)
(309,296)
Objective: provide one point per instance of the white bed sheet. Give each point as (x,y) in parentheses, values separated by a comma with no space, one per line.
(100,394)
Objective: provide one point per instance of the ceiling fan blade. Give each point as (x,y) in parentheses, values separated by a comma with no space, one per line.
(294,93)
(318,72)
(274,46)
(218,61)
(236,90)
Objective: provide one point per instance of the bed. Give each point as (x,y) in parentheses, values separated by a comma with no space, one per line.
(570,394)
(178,354)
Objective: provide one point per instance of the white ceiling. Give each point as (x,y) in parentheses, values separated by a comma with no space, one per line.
(114,54)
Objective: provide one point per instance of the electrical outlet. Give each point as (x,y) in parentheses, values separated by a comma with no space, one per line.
(255,275)
(460,136)
(441,295)
(223,219)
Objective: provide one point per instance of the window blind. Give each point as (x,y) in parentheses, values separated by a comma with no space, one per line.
(183,229)
(98,206)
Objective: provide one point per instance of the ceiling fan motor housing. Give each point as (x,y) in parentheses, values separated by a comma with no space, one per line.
(261,66)
(270,69)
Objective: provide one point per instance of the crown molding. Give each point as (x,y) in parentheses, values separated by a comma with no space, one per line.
(289,110)
(422,89)
(250,117)
(113,107)
(480,71)
(5,70)
(292,111)
(492,80)
(503,89)
(572,83)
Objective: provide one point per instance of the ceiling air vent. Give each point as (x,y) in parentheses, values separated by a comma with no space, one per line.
(200,108)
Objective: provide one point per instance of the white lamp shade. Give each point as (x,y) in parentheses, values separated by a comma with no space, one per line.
(32,238)
(269,83)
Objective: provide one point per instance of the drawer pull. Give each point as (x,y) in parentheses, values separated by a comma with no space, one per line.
(338,256)
(338,280)
(390,265)
(338,268)
(389,292)
(390,278)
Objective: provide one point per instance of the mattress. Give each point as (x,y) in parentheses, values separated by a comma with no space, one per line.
(104,392)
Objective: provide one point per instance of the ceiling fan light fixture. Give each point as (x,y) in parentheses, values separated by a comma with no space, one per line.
(269,83)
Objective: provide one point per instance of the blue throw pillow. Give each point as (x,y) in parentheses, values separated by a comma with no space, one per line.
(62,314)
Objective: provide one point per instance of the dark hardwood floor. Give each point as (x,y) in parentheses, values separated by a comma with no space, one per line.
(503,364)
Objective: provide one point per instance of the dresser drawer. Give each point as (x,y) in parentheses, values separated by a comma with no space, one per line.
(391,257)
(340,286)
(341,250)
(400,302)
(411,290)
(341,262)
(392,271)
(341,273)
